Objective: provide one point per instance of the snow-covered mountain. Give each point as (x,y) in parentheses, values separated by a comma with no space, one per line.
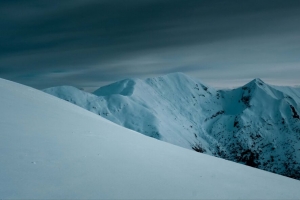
(256,124)
(51,149)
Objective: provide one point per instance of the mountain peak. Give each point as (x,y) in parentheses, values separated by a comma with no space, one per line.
(181,78)
(255,83)
(258,81)
(127,87)
(124,87)
(176,74)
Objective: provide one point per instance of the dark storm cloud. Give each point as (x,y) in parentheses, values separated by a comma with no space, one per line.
(84,43)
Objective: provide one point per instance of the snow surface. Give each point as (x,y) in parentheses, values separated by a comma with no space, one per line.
(255,124)
(51,149)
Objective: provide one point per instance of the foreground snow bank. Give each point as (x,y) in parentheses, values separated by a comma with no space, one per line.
(52,149)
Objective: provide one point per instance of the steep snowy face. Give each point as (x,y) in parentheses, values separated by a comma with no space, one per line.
(260,128)
(124,87)
(255,124)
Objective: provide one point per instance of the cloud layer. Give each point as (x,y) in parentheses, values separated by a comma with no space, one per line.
(94,42)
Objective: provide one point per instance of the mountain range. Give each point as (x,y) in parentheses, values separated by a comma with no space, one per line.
(256,124)
(51,149)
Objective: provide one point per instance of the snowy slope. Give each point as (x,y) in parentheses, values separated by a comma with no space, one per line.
(51,149)
(255,124)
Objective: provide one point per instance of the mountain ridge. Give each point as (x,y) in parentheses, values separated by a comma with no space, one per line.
(255,124)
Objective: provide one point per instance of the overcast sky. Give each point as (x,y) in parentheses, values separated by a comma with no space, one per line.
(89,43)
